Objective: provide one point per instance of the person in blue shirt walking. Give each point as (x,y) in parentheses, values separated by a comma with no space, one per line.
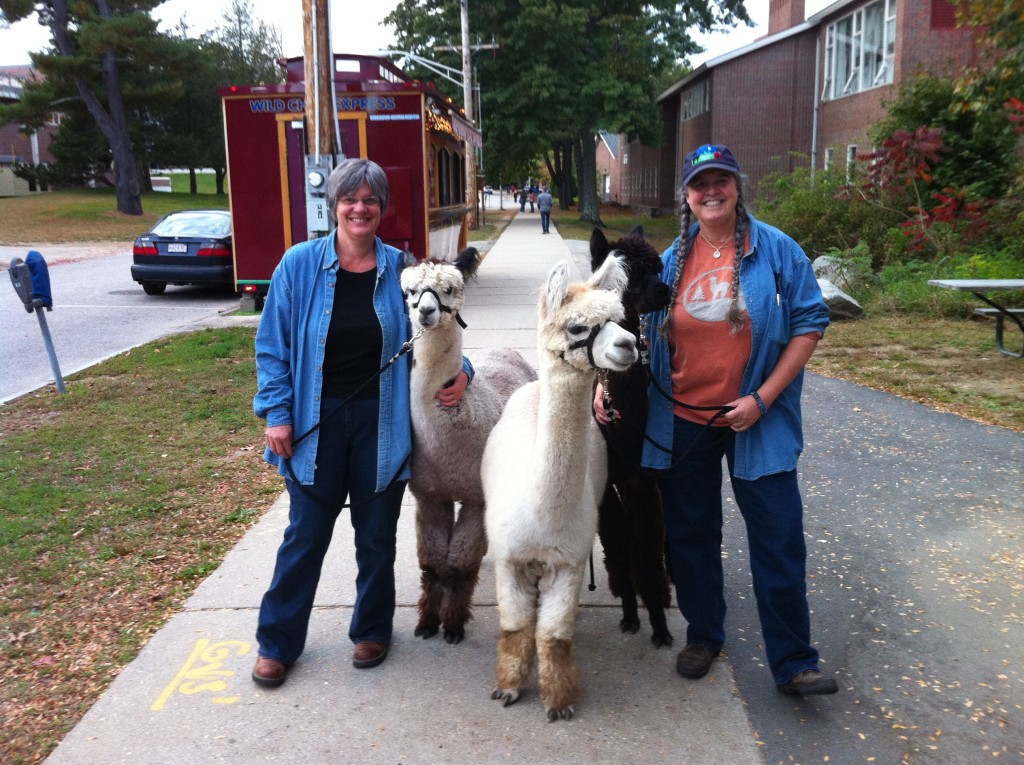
(544,204)
(334,315)
(746,315)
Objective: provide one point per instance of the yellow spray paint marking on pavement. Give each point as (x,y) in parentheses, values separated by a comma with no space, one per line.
(203,671)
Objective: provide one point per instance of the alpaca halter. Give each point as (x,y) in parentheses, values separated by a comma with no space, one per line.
(441,305)
(587,343)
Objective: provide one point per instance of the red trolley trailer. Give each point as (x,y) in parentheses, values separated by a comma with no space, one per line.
(406,126)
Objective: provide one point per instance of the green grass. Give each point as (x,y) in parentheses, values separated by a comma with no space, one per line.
(206,183)
(116,499)
(82,215)
(618,221)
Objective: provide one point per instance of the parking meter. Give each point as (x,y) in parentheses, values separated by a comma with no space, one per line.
(31,280)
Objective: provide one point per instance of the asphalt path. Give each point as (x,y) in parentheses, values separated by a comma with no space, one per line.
(914,521)
(98,312)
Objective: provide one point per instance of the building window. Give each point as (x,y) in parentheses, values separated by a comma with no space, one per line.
(830,157)
(860,50)
(696,100)
(444,176)
(851,161)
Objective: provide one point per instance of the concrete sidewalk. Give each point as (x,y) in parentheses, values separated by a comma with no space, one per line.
(188,697)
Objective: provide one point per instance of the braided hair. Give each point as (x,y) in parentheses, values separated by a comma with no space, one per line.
(735,316)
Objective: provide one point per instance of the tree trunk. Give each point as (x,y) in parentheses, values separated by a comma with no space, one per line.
(193,187)
(112,121)
(219,174)
(586,168)
(561,173)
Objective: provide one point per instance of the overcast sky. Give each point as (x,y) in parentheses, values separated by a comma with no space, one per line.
(355,27)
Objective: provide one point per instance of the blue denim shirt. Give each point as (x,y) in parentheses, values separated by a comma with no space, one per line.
(290,344)
(783,300)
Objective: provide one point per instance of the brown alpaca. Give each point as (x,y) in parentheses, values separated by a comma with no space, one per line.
(448,442)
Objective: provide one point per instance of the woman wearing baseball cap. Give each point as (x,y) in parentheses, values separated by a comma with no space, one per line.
(727,360)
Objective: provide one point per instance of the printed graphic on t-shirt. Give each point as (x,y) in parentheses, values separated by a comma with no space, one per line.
(708,297)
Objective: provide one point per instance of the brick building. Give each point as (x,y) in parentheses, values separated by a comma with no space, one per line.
(807,92)
(15,145)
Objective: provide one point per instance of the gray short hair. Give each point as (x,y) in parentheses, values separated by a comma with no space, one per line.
(349,175)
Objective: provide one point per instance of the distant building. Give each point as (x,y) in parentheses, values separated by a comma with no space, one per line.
(15,145)
(609,166)
(807,92)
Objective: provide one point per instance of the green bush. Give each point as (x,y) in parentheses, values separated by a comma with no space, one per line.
(821,211)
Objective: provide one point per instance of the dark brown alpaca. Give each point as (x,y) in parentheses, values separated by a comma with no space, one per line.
(630,523)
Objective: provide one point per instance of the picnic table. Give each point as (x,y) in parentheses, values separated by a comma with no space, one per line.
(980,289)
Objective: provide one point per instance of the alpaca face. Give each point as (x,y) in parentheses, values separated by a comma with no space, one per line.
(645,292)
(578,321)
(433,291)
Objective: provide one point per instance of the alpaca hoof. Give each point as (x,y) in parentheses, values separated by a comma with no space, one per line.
(661,639)
(425,632)
(452,637)
(560,713)
(507,696)
(629,625)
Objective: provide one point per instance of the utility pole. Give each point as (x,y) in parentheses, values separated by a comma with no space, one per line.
(319,108)
(317,73)
(467,100)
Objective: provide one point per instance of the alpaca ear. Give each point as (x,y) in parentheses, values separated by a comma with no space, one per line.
(557,288)
(638,231)
(408,259)
(468,262)
(611,275)
(598,248)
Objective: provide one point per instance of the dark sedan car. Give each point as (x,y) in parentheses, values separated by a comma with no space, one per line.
(186,247)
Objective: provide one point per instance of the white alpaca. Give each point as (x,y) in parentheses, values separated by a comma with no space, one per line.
(449,441)
(543,472)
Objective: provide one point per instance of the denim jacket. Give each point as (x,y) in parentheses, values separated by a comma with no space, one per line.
(783,300)
(290,344)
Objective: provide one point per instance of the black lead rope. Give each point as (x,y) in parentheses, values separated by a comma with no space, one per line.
(645,362)
(406,347)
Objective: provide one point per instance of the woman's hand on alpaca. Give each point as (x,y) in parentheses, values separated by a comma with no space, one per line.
(452,394)
(600,413)
(279,439)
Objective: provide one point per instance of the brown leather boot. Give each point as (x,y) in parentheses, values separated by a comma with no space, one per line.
(269,673)
(369,654)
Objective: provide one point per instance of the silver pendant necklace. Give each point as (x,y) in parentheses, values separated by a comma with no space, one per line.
(717,247)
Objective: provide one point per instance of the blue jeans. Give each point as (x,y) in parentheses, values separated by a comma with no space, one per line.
(545,220)
(346,467)
(773,512)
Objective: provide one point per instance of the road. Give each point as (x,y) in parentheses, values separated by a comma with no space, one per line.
(914,521)
(98,312)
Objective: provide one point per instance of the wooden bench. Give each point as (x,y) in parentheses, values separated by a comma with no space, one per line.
(1017,314)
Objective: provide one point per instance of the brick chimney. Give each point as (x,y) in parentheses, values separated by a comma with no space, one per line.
(783,14)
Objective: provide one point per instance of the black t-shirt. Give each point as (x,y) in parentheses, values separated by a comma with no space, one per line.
(354,338)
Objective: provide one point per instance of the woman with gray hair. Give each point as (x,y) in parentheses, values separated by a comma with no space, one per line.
(336,427)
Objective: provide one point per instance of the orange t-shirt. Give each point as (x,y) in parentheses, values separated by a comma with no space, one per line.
(707,358)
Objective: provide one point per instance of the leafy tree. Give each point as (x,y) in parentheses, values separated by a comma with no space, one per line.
(565,69)
(978,142)
(253,47)
(94,45)
(187,131)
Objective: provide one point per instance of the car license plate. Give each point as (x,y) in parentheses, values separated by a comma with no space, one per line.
(177,247)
